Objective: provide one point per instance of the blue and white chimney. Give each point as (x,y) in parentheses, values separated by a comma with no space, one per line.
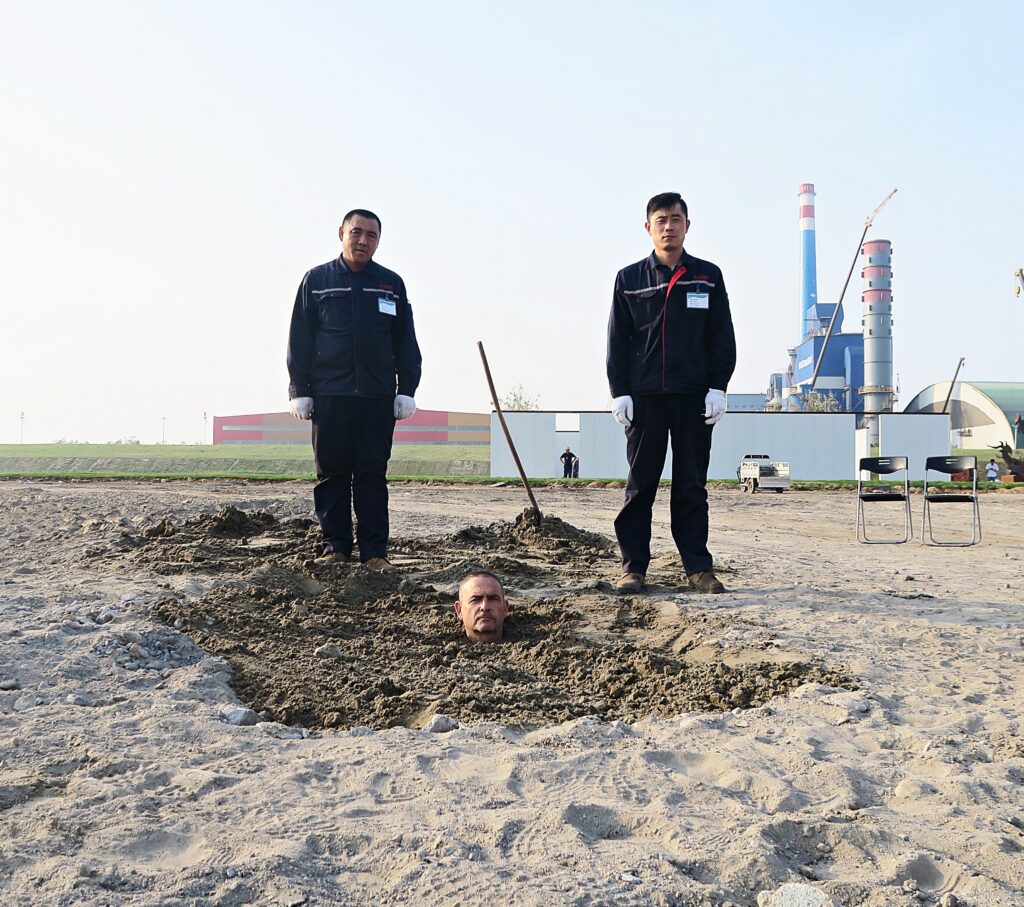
(808,263)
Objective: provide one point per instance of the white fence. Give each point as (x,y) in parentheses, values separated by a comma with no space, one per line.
(817,445)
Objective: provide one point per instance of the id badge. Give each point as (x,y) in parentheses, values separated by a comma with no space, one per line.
(387,306)
(696,300)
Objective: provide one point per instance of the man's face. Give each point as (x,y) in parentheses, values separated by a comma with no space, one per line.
(483,608)
(667,227)
(359,238)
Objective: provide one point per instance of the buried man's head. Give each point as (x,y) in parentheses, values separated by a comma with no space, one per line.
(482,606)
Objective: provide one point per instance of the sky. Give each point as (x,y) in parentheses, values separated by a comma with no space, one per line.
(172,169)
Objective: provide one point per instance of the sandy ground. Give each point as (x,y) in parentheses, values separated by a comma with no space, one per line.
(876,753)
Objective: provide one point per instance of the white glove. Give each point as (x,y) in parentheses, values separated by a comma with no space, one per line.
(715,407)
(404,407)
(622,410)
(301,407)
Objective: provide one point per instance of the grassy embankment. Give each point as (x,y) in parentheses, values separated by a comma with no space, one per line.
(255,461)
(278,462)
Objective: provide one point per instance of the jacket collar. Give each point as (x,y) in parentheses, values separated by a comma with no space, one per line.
(371,268)
(652,264)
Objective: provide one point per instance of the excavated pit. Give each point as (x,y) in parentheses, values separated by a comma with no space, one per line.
(338,646)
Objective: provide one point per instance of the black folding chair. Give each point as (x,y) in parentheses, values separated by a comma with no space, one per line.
(950,465)
(883,466)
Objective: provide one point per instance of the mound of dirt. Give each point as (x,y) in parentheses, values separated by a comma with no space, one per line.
(232,523)
(551,535)
(229,541)
(515,574)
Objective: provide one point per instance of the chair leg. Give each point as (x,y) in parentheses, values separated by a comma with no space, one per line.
(926,524)
(862,527)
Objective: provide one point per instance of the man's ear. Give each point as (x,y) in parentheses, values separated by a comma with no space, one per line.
(508,607)
(458,607)
(341,233)
(647,227)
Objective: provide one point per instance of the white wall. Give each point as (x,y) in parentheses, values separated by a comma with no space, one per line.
(536,441)
(602,447)
(817,445)
(915,436)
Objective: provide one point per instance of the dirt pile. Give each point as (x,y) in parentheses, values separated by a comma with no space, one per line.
(339,646)
(225,542)
(552,538)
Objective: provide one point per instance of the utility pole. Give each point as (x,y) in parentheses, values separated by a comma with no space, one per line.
(163,429)
(204,427)
(23,427)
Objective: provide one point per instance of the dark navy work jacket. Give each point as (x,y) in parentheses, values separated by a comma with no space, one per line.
(670,332)
(352,334)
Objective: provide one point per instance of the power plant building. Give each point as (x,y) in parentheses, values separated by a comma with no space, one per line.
(855,374)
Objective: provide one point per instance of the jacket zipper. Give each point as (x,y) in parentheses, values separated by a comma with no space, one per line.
(355,373)
(664,318)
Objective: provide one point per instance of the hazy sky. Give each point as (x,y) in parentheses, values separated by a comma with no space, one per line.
(170,171)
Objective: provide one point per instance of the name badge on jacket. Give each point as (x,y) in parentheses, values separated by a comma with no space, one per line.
(696,300)
(387,306)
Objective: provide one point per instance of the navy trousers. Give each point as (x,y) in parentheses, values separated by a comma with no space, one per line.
(351,448)
(656,418)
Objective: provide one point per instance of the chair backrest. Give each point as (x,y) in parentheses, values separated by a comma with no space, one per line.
(883,465)
(949,465)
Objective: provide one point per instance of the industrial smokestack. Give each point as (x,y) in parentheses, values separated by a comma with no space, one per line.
(808,263)
(878,388)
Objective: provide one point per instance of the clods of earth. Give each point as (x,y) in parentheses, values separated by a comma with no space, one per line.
(337,646)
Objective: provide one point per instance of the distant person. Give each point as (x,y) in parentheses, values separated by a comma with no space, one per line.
(354,366)
(992,471)
(671,353)
(482,606)
(576,468)
(567,459)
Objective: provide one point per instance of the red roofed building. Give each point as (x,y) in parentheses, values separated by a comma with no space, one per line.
(427,426)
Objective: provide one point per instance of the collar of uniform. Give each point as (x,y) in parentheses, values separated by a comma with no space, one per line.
(652,263)
(371,267)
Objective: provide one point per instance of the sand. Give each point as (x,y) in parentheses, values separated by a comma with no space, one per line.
(192,711)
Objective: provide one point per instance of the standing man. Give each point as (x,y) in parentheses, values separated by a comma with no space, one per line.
(354,366)
(671,353)
(567,459)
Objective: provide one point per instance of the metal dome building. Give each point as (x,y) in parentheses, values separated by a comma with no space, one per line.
(982,413)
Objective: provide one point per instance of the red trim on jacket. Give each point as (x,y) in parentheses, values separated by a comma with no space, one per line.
(664,317)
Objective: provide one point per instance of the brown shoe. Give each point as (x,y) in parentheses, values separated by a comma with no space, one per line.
(333,557)
(630,582)
(380,565)
(705,582)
